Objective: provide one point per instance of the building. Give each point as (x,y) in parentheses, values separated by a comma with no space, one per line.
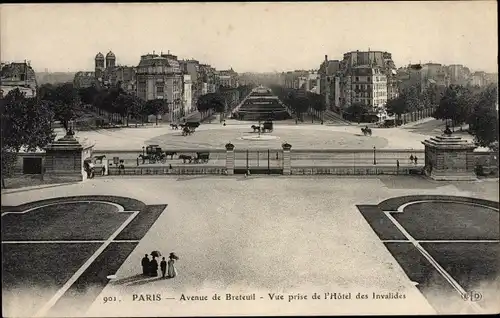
(192,68)
(329,86)
(228,78)
(18,75)
(295,79)
(478,79)
(368,86)
(208,77)
(107,73)
(160,77)
(187,95)
(377,59)
(85,79)
(459,75)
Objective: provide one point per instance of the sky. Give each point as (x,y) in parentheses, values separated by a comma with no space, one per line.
(250,37)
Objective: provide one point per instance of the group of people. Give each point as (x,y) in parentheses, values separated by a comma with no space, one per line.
(413,159)
(150,266)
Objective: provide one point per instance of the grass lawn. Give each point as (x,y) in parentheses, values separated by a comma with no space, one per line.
(88,286)
(41,267)
(431,283)
(66,221)
(141,224)
(380,223)
(475,266)
(449,221)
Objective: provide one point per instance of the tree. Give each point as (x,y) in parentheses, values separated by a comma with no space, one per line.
(26,123)
(63,100)
(317,102)
(397,106)
(125,105)
(218,102)
(88,94)
(483,121)
(156,107)
(357,110)
(203,105)
(455,105)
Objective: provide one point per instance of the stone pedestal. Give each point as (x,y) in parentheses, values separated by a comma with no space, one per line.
(229,159)
(64,160)
(449,158)
(287,161)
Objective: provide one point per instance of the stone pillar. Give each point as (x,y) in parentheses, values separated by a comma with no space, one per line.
(287,162)
(449,158)
(229,159)
(64,160)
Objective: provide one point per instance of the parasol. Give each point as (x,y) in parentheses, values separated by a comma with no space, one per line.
(155,253)
(173,256)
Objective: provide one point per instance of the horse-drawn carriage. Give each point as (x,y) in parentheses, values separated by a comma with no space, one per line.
(199,157)
(189,127)
(153,154)
(266,126)
(366,131)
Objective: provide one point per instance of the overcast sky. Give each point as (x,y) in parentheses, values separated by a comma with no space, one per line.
(251,36)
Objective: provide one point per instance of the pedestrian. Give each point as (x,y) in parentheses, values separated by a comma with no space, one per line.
(145,265)
(172,271)
(411,158)
(163,267)
(170,166)
(103,170)
(416,160)
(153,267)
(277,156)
(91,169)
(86,167)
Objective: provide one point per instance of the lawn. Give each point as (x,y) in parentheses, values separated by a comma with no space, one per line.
(475,266)
(66,221)
(41,268)
(438,292)
(88,286)
(449,221)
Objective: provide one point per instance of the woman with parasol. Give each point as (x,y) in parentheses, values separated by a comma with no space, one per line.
(154,263)
(172,271)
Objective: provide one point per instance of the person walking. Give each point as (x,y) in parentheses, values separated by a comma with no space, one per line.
(416,160)
(172,271)
(163,267)
(153,267)
(411,158)
(145,265)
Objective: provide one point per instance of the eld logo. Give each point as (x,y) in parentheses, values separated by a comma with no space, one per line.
(472,296)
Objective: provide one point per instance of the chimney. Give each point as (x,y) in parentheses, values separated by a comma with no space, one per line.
(326,57)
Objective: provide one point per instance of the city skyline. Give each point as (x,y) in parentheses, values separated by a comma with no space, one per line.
(251,37)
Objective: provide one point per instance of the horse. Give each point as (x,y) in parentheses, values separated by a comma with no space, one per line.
(255,128)
(145,157)
(171,154)
(174,126)
(99,158)
(186,157)
(366,131)
(186,131)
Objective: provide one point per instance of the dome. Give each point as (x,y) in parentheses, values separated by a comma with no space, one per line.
(99,56)
(110,55)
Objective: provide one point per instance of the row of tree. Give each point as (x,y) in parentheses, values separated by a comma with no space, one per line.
(222,101)
(300,102)
(475,107)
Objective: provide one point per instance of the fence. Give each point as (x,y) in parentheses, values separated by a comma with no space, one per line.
(302,161)
(355,157)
